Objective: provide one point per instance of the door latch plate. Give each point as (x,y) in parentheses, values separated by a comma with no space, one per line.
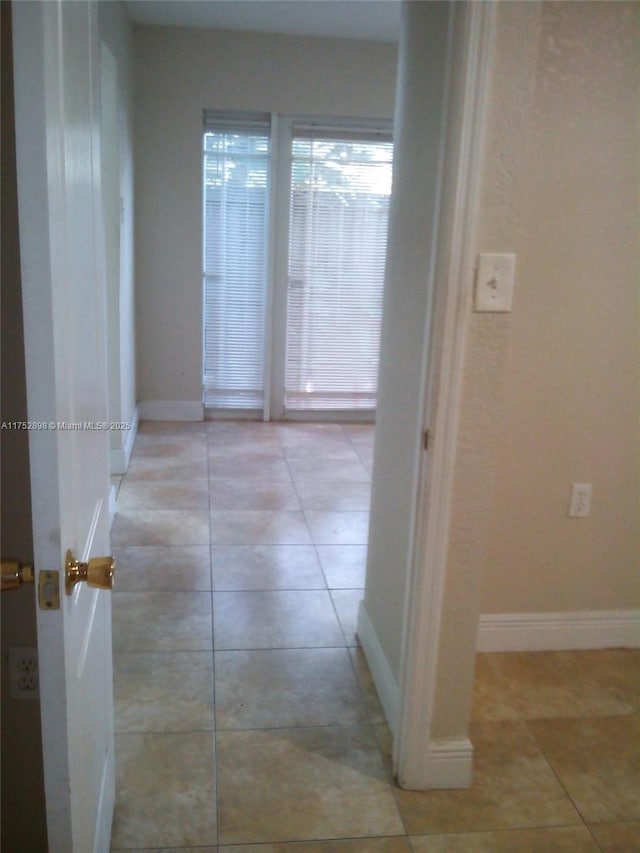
(49,590)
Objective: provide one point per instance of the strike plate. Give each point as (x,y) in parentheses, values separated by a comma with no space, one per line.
(49,590)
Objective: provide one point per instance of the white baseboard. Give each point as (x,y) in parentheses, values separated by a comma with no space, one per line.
(530,632)
(448,765)
(171,410)
(121,456)
(386,685)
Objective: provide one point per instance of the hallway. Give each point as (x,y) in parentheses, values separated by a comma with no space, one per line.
(245,714)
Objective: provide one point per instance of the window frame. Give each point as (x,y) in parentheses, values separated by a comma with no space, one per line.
(240,124)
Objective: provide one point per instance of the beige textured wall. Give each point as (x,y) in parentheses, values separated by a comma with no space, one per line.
(551,390)
(179,72)
(482,406)
(561,190)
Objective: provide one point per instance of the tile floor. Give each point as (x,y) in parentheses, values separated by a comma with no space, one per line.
(246,720)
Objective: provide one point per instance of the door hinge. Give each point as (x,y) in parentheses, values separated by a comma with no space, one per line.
(426,440)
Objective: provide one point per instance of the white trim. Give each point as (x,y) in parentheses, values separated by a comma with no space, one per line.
(413,752)
(449,763)
(270,238)
(106,805)
(532,632)
(171,410)
(281,174)
(334,416)
(386,685)
(117,461)
(121,456)
(112,505)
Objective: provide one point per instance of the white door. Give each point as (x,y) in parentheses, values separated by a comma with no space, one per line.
(56,79)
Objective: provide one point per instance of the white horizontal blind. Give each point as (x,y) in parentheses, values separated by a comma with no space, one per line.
(340,188)
(236,179)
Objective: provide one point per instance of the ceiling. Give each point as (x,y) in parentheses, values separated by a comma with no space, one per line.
(375,20)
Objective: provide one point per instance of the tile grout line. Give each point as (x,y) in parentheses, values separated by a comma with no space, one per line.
(560,782)
(314,544)
(364,709)
(360,690)
(216,804)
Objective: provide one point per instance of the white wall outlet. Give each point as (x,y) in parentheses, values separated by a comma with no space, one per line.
(494,282)
(580,502)
(23,673)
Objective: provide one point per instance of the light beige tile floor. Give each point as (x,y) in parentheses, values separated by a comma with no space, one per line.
(246,718)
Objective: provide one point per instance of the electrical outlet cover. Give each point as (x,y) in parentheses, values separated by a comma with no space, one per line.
(23,673)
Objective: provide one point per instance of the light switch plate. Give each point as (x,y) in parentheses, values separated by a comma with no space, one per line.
(494,281)
(580,501)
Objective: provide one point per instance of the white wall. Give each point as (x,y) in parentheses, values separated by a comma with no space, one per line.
(419,126)
(180,72)
(116,34)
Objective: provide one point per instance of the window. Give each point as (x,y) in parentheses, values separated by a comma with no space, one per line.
(317,348)
(236,178)
(340,188)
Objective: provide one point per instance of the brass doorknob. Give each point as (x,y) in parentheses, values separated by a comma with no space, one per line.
(15,573)
(98,572)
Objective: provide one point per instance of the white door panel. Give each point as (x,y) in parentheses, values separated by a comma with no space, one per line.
(55,62)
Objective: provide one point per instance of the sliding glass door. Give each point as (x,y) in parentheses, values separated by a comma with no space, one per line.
(235,259)
(339,204)
(308,325)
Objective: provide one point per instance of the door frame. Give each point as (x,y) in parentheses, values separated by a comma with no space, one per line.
(418,763)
